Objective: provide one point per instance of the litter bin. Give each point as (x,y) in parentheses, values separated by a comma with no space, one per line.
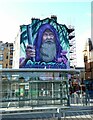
(21,102)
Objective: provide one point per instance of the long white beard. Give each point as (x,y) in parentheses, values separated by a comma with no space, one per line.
(48,51)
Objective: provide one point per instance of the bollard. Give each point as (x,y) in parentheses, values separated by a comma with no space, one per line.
(59,114)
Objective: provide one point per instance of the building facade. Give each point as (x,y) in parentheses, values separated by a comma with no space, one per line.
(88,59)
(16,51)
(6,55)
(28,33)
(36,87)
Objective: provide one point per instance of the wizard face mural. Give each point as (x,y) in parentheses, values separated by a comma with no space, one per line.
(48,46)
(43,49)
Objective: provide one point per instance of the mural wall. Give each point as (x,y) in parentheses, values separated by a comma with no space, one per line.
(44,44)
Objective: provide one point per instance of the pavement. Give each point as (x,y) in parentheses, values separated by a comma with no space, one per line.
(74,111)
(28,113)
(50,109)
(31,109)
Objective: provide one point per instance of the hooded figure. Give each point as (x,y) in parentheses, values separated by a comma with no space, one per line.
(52,46)
(48,50)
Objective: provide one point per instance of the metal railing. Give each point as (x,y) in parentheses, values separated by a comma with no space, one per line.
(51,113)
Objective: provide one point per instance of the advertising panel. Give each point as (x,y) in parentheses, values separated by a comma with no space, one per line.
(44,44)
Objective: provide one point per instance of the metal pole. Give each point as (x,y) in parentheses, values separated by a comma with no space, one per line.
(52,93)
(59,114)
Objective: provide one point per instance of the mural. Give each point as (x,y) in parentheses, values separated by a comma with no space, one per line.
(44,44)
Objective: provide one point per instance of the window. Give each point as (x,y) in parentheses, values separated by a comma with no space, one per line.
(11,52)
(0,66)
(1,48)
(1,57)
(10,62)
(6,65)
(7,57)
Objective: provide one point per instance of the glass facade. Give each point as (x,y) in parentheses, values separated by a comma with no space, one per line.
(32,87)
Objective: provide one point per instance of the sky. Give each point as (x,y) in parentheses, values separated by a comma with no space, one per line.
(14,13)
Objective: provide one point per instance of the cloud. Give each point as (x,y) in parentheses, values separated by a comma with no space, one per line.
(8,27)
(80,45)
(33,1)
(89,14)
